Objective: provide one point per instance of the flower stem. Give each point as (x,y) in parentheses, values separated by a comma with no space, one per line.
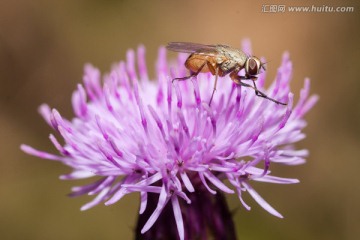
(207,217)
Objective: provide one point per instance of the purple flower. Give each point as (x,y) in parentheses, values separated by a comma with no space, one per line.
(162,137)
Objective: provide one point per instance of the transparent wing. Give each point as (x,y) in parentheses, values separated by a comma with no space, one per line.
(188,47)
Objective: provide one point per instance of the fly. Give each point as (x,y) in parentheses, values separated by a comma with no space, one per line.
(220,60)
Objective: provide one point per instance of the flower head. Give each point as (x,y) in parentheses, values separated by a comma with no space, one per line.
(162,137)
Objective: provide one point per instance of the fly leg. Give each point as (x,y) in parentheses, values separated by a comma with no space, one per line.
(256,90)
(237,79)
(261,94)
(192,74)
(214,89)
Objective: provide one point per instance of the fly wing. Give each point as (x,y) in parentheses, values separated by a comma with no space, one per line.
(188,47)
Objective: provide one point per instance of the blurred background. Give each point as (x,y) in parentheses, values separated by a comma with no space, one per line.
(44,45)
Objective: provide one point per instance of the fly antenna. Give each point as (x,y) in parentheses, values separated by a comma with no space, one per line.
(263,65)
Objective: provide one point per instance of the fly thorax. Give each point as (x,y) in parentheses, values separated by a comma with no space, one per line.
(228,65)
(240,59)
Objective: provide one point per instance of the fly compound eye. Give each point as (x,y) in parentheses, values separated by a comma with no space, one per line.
(252,66)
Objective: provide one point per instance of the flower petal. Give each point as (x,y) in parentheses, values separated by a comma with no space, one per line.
(178,217)
(163,199)
(261,201)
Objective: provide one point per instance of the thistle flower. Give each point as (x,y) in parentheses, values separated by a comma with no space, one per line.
(159,137)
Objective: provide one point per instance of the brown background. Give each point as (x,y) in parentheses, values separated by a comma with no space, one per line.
(44,44)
